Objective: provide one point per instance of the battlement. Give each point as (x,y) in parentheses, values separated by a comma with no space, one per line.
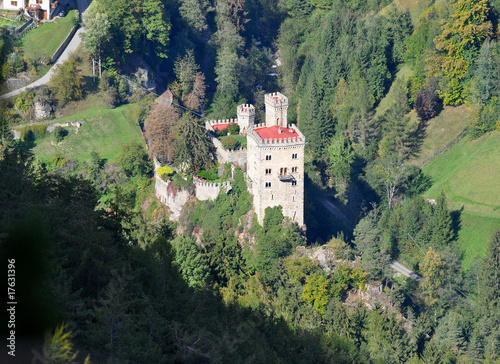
(245,109)
(212,125)
(276,135)
(276,99)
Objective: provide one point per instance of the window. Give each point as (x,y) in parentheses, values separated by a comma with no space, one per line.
(283,172)
(295,169)
(268,157)
(268,170)
(40,2)
(294,156)
(13,3)
(268,184)
(294,183)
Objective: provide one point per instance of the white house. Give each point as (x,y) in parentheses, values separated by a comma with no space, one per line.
(45,6)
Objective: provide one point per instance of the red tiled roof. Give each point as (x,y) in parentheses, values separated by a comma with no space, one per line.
(221,126)
(272,132)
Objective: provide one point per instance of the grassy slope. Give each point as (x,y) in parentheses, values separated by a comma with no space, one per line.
(469,173)
(442,129)
(104,135)
(44,40)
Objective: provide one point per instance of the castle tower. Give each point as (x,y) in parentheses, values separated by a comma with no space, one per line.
(246,117)
(276,109)
(275,166)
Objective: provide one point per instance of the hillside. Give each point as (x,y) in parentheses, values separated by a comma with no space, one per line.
(469,173)
(104,131)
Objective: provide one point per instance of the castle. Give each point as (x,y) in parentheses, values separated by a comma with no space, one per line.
(273,159)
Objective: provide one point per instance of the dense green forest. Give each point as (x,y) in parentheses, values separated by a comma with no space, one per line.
(100,269)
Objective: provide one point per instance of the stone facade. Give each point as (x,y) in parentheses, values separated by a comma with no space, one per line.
(246,117)
(276,170)
(276,109)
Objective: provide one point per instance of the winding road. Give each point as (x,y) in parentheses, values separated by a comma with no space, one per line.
(72,46)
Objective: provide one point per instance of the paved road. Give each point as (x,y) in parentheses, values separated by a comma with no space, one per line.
(405,271)
(72,46)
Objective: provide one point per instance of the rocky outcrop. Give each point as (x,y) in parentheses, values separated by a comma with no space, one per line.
(15,83)
(144,76)
(42,109)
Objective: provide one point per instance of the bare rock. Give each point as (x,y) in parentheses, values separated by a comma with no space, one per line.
(43,109)
(144,76)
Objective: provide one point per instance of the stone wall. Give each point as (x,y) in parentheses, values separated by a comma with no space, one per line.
(238,156)
(63,45)
(209,191)
(168,194)
(175,199)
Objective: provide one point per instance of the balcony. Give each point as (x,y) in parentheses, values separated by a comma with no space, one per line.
(286,178)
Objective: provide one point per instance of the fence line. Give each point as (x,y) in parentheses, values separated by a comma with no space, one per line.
(441,150)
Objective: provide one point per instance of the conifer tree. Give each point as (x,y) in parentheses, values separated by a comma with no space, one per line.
(442,224)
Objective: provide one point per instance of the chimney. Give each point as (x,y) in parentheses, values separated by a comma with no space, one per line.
(279,129)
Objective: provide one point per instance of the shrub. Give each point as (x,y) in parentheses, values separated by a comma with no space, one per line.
(33,132)
(229,142)
(67,82)
(233,129)
(165,171)
(60,133)
(208,175)
(427,102)
(183,182)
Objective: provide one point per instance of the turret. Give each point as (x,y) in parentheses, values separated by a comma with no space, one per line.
(246,117)
(276,109)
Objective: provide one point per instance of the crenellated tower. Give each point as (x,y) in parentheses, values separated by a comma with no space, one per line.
(246,117)
(276,109)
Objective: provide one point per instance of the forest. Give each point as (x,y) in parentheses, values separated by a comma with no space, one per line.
(103,275)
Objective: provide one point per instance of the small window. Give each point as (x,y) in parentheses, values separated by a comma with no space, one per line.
(295,169)
(293,198)
(13,3)
(268,157)
(294,156)
(268,184)
(283,172)
(268,170)
(294,183)
(40,2)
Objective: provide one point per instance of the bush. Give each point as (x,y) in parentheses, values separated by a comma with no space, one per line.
(229,142)
(67,82)
(33,132)
(184,183)
(427,102)
(233,129)
(165,171)
(208,175)
(60,133)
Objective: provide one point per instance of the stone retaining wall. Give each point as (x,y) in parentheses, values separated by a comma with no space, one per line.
(238,156)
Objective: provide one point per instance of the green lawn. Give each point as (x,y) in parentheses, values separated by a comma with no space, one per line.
(6,22)
(105,133)
(44,40)
(442,129)
(469,174)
